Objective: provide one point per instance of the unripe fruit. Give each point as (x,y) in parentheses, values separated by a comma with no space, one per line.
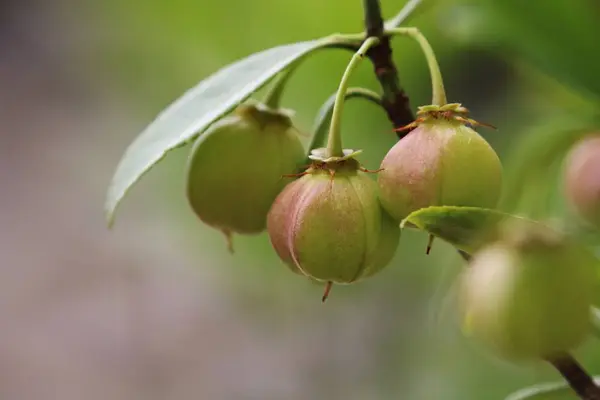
(582,179)
(441,162)
(329,225)
(235,168)
(529,295)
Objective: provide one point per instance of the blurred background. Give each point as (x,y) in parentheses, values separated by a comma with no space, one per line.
(157,308)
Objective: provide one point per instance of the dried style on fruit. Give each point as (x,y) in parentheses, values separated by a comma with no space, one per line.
(235,169)
(442,162)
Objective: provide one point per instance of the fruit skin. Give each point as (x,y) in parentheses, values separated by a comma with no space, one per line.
(234,171)
(440,163)
(329,224)
(582,179)
(529,295)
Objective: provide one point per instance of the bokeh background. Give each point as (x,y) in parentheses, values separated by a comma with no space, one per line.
(157,308)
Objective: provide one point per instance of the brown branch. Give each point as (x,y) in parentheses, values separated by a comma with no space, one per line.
(373,18)
(394,99)
(579,380)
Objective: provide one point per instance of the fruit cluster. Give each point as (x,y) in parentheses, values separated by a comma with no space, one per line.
(527,293)
(331,221)
(528,290)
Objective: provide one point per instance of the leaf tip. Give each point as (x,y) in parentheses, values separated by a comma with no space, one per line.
(110,219)
(109,212)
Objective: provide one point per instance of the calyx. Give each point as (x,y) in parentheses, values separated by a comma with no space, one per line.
(448,112)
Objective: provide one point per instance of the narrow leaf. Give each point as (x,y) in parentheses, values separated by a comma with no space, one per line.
(466,228)
(199,107)
(404,15)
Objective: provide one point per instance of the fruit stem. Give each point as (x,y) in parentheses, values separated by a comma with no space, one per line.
(323,119)
(334,143)
(437,83)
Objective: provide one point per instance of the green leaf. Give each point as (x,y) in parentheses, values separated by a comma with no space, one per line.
(466,228)
(406,13)
(199,107)
(547,391)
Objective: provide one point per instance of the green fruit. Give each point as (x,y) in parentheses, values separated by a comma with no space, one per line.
(329,225)
(440,163)
(529,295)
(235,168)
(582,179)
